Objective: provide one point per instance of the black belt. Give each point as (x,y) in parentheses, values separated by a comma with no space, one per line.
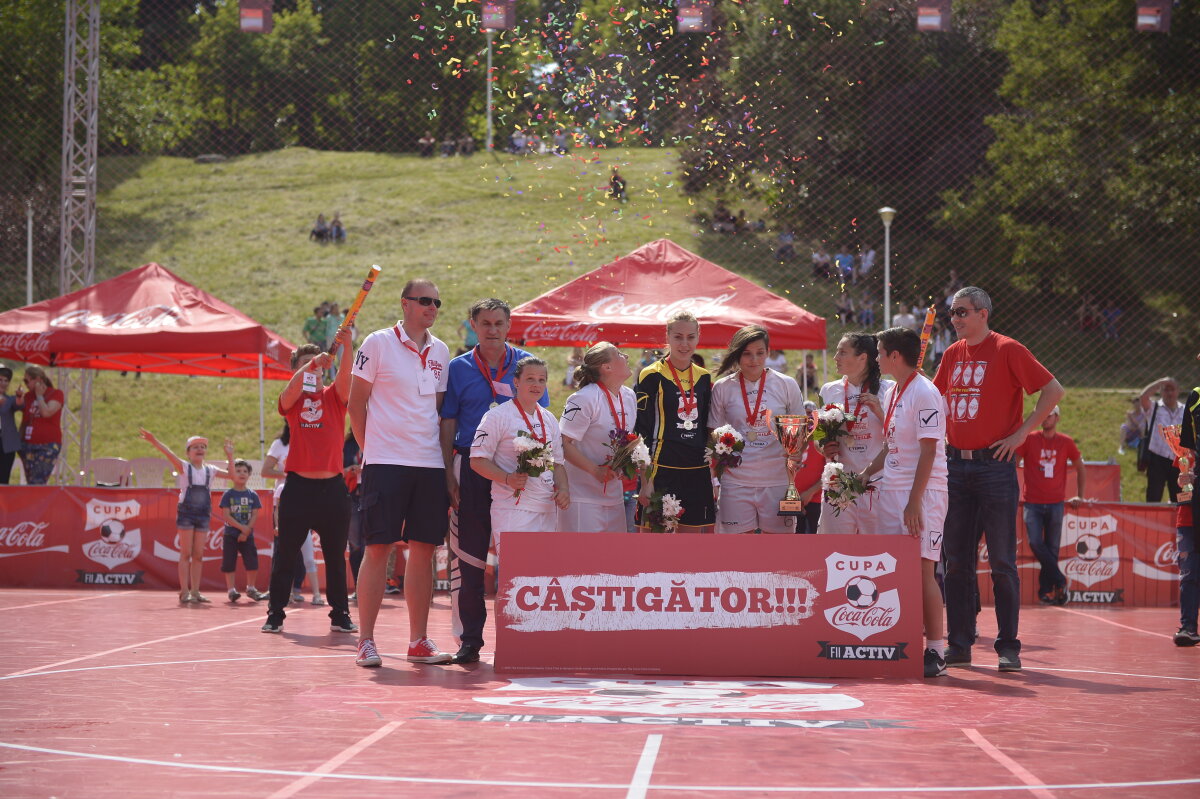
(956,454)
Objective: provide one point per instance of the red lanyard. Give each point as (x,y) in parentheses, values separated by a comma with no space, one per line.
(501,371)
(887,419)
(612,408)
(542,438)
(857,405)
(689,397)
(752,415)
(412,349)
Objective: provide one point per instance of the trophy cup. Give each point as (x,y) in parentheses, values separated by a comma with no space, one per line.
(792,432)
(1170,434)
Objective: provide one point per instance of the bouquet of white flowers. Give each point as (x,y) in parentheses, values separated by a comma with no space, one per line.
(842,487)
(629,453)
(724,446)
(663,513)
(533,456)
(831,422)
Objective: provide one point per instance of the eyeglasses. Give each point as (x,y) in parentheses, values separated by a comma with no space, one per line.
(426,301)
(961,312)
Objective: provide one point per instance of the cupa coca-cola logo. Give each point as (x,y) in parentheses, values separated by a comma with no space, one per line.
(614,306)
(23,535)
(152,316)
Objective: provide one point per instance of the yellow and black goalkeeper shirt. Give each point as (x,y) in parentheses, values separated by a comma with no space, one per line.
(675,434)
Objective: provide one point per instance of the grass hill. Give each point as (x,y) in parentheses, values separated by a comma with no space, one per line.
(489,225)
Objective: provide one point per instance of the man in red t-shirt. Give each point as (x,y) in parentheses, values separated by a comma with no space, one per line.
(1045,457)
(314,496)
(984,377)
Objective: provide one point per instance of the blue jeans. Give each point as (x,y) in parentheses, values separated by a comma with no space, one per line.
(1043,523)
(983,496)
(1189,562)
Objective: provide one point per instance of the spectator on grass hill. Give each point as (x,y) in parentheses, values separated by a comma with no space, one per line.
(320,231)
(41,425)
(337,231)
(426,145)
(806,376)
(1109,315)
(866,261)
(562,142)
(466,145)
(10,436)
(1167,410)
(616,187)
(449,146)
(821,261)
(844,263)
(786,250)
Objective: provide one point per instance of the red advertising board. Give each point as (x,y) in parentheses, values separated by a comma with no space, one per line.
(1111,554)
(719,605)
(58,537)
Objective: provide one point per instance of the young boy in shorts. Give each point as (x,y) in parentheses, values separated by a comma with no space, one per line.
(240,507)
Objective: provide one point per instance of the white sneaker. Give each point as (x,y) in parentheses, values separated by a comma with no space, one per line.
(234,596)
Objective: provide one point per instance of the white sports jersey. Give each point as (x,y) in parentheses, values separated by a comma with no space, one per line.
(494,440)
(764,463)
(402,414)
(587,420)
(919,414)
(865,441)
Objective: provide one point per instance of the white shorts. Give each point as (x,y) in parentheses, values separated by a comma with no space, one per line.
(860,518)
(744,509)
(585,517)
(519,520)
(933,508)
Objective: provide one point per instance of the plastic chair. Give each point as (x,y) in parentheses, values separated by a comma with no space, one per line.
(256,482)
(108,472)
(148,472)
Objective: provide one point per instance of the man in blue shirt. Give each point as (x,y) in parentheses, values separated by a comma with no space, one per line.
(478,380)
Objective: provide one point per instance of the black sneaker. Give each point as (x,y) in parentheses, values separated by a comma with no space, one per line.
(1010,661)
(957,657)
(273,625)
(1186,637)
(1046,599)
(935,664)
(342,624)
(467,653)
(1061,595)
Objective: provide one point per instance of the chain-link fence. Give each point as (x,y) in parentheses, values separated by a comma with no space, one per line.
(1043,149)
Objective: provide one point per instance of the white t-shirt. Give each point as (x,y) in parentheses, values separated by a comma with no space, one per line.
(587,420)
(764,463)
(206,474)
(279,451)
(494,441)
(865,441)
(919,414)
(777,362)
(402,413)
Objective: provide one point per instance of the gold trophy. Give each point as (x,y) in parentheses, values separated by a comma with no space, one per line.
(1170,434)
(792,432)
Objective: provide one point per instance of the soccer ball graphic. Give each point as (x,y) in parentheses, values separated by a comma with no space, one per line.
(1088,547)
(112,531)
(861,592)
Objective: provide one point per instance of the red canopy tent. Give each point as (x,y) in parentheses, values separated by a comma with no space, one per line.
(628,301)
(147,320)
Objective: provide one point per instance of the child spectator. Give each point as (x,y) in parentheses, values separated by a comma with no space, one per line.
(807,481)
(195,507)
(241,507)
(337,231)
(320,231)
(426,145)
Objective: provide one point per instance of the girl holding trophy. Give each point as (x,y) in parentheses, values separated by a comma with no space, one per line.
(746,396)
(857,393)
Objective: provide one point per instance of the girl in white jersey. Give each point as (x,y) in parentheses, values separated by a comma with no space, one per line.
(494,456)
(602,405)
(857,392)
(748,397)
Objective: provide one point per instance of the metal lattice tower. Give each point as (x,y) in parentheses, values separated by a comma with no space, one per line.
(77,244)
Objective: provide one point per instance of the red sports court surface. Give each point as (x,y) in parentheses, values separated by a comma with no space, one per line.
(128,694)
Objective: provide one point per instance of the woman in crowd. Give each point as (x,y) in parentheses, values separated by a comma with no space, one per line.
(673,400)
(602,410)
(747,395)
(521,502)
(856,392)
(41,425)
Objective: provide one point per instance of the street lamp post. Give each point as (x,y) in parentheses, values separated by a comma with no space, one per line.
(887,214)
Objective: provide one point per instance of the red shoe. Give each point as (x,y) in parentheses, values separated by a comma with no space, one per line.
(426,651)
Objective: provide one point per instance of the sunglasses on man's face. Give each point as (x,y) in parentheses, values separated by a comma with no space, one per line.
(426,301)
(961,312)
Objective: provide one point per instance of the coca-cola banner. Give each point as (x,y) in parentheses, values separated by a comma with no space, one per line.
(1111,554)
(56,537)
(710,604)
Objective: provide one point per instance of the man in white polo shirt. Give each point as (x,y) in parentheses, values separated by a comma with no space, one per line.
(399,378)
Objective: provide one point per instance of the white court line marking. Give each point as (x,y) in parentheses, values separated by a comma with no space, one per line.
(1118,674)
(1113,623)
(135,646)
(61,601)
(332,763)
(645,767)
(1016,769)
(605,786)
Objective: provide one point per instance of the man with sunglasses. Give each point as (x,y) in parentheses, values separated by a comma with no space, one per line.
(399,378)
(983,376)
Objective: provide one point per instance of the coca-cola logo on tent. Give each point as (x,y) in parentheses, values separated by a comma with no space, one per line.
(26,343)
(152,316)
(614,306)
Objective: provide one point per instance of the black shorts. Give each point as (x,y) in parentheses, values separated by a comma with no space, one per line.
(231,547)
(404,503)
(693,488)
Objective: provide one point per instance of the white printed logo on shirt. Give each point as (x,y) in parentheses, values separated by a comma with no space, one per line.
(312,410)
(964,404)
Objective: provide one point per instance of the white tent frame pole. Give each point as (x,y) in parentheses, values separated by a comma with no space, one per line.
(262,438)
